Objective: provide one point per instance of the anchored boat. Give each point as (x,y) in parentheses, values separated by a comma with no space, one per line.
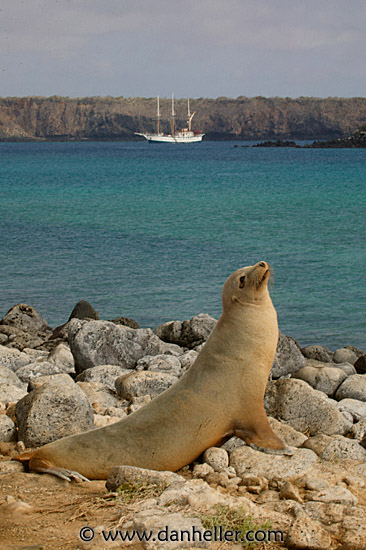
(185,135)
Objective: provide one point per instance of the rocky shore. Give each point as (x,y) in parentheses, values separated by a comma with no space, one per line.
(356,141)
(91,372)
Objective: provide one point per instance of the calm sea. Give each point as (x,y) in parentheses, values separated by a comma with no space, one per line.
(152,231)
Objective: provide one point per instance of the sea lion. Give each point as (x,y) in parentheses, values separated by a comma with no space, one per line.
(221,395)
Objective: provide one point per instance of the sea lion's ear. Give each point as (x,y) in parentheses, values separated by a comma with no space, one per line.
(242,282)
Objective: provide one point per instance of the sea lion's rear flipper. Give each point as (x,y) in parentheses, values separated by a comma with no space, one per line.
(42,466)
(261,437)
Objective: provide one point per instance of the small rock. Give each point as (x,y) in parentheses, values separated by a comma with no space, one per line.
(344,355)
(290,436)
(138,402)
(7,376)
(316,484)
(187,359)
(62,357)
(126,322)
(289,491)
(160,363)
(338,495)
(216,457)
(83,310)
(104,420)
(11,394)
(13,359)
(329,448)
(127,474)
(7,428)
(360,365)
(10,467)
(318,353)
(202,470)
(218,478)
(97,395)
(307,534)
(36,370)
(267,496)
(105,375)
(254,484)
(137,384)
(354,388)
(358,431)
(355,407)
(325,379)
(25,318)
(16,507)
(64,379)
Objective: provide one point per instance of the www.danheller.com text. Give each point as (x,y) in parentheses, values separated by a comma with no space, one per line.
(194,534)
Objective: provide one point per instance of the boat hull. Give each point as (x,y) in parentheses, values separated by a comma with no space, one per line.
(166,138)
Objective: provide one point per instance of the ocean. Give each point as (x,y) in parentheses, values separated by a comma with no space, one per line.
(151,232)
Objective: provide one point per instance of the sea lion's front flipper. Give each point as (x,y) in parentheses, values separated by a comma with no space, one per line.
(261,437)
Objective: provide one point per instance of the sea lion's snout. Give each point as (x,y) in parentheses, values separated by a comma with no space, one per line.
(263,264)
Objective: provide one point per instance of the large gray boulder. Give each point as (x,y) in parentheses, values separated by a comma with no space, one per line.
(161,363)
(26,318)
(297,404)
(62,357)
(7,376)
(52,411)
(10,393)
(335,447)
(288,358)
(34,370)
(345,355)
(96,343)
(353,406)
(318,353)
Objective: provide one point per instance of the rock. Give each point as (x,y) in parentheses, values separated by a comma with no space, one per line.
(172,530)
(83,310)
(14,337)
(329,448)
(202,470)
(289,491)
(248,461)
(346,367)
(360,365)
(200,496)
(325,379)
(297,404)
(10,467)
(51,412)
(141,383)
(160,363)
(358,431)
(190,333)
(15,507)
(97,395)
(13,359)
(344,355)
(355,407)
(125,321)
(137,403)
(217,458)
(307,534)
(318,353)
(10,393)
(127,474)
(104,420)
(354,528)
(218,478)
(36,370)
(254,484)
(7,376)
(338,495)
(7,428)
(105,375)
(289,436)
(62,357)
(62,378)
(315,484)
(288,358)
(354,388)
(188,358)
(96,343)
(25,318)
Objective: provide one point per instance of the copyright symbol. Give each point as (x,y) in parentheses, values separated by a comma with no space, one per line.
(86,534)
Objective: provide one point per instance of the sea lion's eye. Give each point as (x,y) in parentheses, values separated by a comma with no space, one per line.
(242,281)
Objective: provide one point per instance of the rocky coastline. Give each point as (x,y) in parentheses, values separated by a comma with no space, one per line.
(90,373)
(356,141)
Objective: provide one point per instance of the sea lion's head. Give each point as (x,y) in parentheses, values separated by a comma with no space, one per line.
(247,285)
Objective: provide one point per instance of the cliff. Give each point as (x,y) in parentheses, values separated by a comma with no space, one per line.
(58,118)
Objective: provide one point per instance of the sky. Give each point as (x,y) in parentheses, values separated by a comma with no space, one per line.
(196,48)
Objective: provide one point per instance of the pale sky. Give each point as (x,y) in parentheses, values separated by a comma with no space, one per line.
(196,48)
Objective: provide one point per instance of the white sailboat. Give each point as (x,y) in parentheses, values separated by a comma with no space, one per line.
(185,135)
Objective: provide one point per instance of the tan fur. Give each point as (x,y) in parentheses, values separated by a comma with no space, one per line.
(219,396)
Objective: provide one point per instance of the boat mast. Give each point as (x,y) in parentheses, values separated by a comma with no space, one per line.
(172,116)
(158,115)
(190,116)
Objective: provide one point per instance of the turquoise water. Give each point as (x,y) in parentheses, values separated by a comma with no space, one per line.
(152,231)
